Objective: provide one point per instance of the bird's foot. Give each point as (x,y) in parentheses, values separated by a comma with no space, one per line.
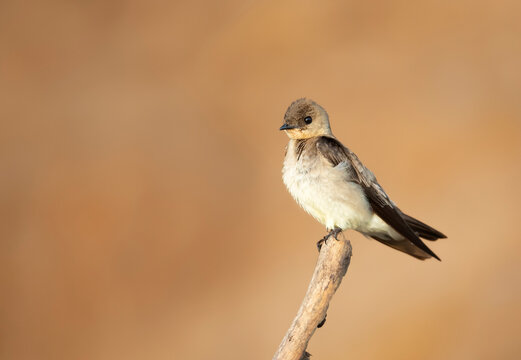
(321,242)
(333,233)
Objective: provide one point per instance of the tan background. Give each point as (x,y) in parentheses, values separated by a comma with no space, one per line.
(143,214)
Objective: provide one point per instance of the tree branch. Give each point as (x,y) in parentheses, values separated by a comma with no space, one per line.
(331,267)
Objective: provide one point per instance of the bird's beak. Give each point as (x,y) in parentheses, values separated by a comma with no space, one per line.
(287,127)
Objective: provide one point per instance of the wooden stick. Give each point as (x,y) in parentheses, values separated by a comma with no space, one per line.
(332,264)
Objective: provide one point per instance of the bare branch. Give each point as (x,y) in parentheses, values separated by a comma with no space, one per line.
(331,267)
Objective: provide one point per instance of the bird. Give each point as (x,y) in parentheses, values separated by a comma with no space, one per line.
(330,183)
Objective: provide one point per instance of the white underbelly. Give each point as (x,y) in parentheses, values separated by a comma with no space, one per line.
(329,198)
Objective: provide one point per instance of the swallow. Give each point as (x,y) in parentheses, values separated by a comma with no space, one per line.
(330,183)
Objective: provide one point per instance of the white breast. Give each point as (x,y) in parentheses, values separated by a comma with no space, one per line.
(322,190)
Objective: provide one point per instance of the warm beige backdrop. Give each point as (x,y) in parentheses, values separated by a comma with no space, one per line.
(143,214)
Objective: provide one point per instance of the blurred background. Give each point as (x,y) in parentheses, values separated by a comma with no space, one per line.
(143,213)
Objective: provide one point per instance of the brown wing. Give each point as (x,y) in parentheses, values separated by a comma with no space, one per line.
(423,230)
(336,153)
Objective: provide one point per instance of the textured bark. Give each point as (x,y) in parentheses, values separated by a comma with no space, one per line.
(331,267)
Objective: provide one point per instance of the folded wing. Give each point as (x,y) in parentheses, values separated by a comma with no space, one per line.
(405,225)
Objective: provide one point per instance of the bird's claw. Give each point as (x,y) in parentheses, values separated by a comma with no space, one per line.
(333,233)
(321,242)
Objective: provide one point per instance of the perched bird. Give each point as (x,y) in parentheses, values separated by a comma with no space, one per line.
(331,183)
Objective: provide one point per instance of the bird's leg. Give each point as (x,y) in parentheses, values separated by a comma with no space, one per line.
(334,232)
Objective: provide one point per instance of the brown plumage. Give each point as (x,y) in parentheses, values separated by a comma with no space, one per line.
(331,183)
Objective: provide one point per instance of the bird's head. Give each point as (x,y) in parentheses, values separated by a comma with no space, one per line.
(305,119)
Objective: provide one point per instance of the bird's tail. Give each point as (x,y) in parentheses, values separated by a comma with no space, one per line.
(403,245)
(423,230)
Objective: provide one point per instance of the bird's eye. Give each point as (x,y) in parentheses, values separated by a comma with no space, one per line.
(308,120)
